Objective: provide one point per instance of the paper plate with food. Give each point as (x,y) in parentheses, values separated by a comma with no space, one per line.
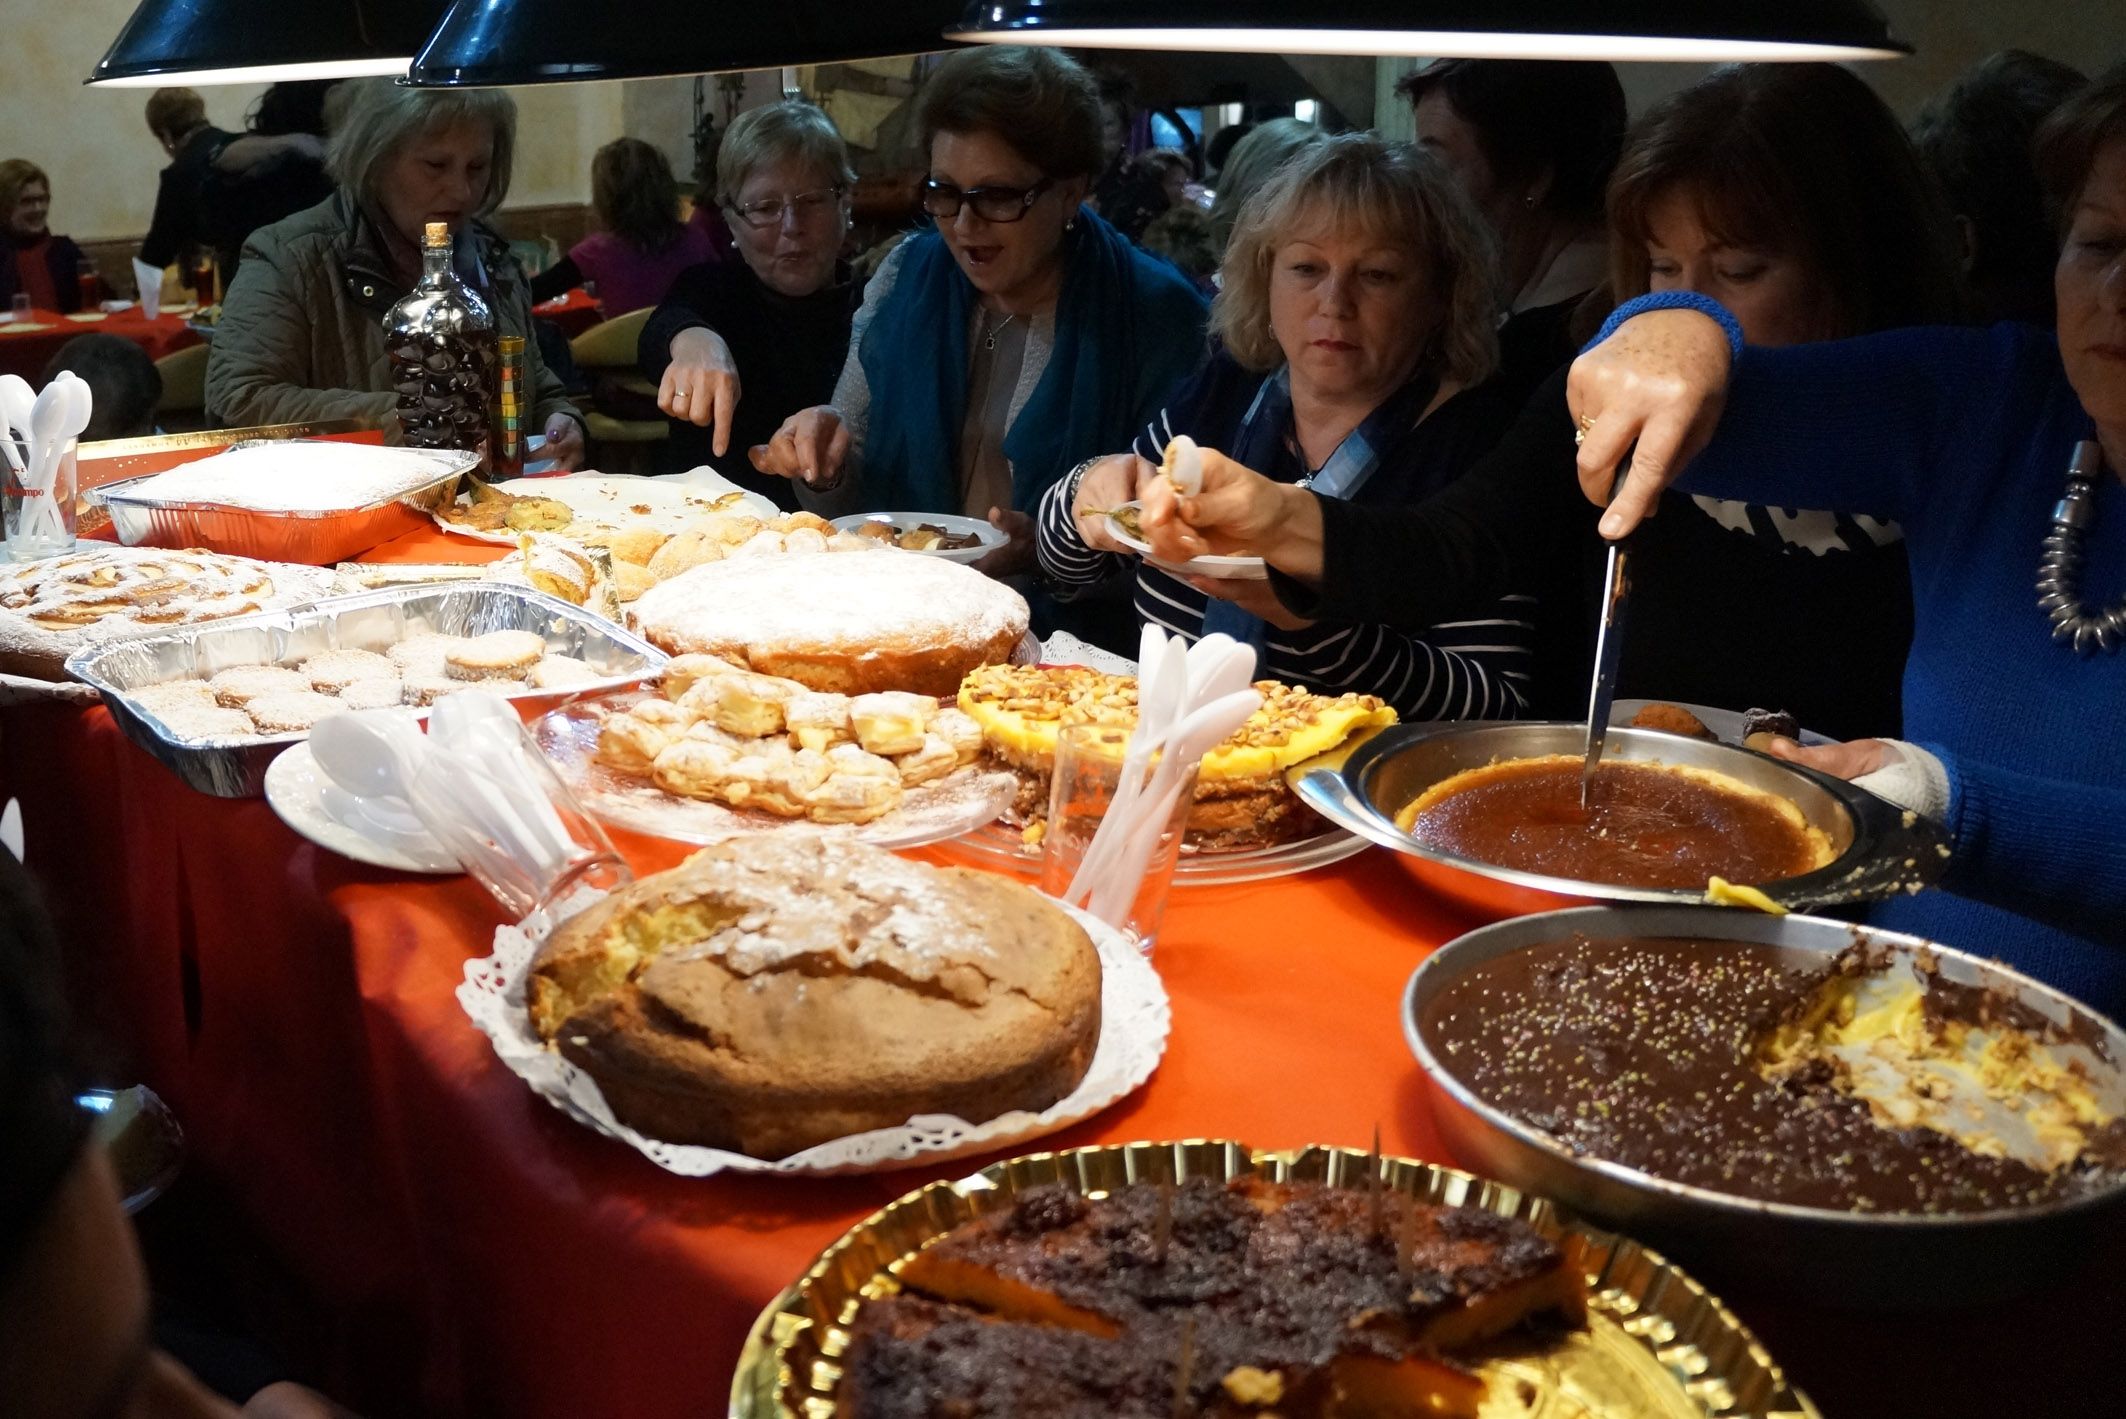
(581,505)
(1182,467)
(936,534)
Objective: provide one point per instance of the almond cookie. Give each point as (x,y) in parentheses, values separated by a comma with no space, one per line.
(195,721)
(334,670)
(383,692)
(498,655)
(173,695)
(425,687)
(287,713)
(240,684)
(558,672)
(424,651)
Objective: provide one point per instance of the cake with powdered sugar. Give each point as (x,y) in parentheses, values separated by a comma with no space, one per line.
(775,992)
(852,625)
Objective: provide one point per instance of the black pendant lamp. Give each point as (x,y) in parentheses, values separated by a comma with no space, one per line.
(1707,30)
(260,41)
(547,41)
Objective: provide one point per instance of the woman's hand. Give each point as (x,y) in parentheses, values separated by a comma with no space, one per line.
(1659,382)
(1102,488)
(1238,513)
(1847,761)
(564,443)
(811,446)
(701,385)
(1251,595)
(1016,555)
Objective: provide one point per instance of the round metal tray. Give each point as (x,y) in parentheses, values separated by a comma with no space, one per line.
(1880,849)
(1901,1259)
(1000,847)
(1657,1345)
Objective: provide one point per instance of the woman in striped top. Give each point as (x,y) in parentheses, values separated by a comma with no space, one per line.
(1355,325)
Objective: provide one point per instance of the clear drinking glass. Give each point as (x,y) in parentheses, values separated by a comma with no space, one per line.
(488,825)
(1088,773)
(40,522)
(19,307)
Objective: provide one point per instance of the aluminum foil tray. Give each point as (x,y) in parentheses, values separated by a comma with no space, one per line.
(374,620)
(314,538)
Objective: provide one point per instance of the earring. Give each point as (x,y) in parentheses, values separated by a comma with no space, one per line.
(1529,202)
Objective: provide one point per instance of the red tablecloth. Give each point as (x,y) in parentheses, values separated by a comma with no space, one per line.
(468,1249)
(26,351)
(575,312)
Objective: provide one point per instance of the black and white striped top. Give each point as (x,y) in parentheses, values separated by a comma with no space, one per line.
(1469,669)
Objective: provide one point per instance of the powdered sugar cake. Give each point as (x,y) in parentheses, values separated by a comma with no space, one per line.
(853,624)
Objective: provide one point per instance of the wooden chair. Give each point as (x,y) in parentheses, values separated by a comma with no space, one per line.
(623,420)
(183,404)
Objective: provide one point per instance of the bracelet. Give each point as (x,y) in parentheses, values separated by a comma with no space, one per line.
(1672,300)
(1073,478)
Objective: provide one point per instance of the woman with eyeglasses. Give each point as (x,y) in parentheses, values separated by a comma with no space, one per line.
(739,346)
(1019,337)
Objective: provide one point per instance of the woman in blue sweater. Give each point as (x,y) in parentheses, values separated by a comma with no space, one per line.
(2003,454)
(1355,328)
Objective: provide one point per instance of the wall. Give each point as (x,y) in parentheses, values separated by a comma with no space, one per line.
(103,163)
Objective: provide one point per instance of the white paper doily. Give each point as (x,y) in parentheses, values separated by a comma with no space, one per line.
(1134,1020)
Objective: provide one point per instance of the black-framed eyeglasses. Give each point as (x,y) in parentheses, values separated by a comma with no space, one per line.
(806,206)
(992,204)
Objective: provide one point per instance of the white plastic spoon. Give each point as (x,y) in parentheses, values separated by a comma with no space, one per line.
(368,752)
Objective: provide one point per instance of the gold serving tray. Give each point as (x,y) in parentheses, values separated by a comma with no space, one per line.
(1657,1345)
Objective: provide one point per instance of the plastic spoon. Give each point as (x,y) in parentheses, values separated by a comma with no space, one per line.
(372,754)
(48,416)
(1162,692)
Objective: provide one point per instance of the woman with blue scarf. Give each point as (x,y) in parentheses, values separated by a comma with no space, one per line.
(1019,336)
(1355,321)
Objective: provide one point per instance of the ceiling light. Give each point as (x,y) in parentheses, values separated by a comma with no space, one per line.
(200,42)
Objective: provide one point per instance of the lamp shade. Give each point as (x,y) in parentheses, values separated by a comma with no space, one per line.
(544,41)
(260,41)
(1710,30)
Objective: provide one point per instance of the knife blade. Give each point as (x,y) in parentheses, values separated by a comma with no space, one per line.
(1609,646)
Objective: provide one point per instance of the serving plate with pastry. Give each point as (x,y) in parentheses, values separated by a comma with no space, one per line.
(801,1004)
(1246,823)
(1491,816)
(582,504)
(715,751)
(956,539)
(1209,1278)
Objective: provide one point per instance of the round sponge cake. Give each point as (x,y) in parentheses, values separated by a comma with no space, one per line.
(778,991)
(850,624)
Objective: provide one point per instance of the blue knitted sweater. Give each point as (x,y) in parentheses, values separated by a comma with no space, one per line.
(1964,437)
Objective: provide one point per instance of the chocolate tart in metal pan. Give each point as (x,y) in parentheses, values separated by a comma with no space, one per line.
(1968,1246)
(1876,848)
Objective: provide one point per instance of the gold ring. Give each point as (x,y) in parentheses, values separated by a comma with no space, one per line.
(1579,435)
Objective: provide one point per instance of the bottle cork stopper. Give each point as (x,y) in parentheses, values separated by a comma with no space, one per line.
(438,234)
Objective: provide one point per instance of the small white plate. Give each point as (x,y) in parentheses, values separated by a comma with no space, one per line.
(298,791)
(1216,568)
(991,536)
(1725,723)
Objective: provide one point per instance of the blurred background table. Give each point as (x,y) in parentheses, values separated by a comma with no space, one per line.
(26,348)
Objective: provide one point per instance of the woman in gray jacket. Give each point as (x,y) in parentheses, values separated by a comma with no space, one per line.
(301,335)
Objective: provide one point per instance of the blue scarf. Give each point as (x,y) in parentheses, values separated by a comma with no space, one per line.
(1266,437)
(1128,329)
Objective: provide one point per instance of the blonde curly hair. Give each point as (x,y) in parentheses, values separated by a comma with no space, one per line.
(1392,191)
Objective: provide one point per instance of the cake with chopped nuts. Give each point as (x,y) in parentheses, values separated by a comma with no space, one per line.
(1251,1298)
(1242,800)
(775,992)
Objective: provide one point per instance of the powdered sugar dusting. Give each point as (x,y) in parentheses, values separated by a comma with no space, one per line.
(837,604)
(297,477)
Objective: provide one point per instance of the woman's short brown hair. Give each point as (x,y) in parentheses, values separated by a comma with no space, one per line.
(16,174)
(382,117)
(172,113)
(1043,104)
(1803,160)
(1390,191)
(2071,139)
(635,195)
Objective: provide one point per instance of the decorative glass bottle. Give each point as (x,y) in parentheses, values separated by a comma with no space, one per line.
(441,342)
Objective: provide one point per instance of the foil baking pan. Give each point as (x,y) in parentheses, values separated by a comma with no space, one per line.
(1901,1260)
(1879,849)
(1657,1344)
(315,538)
(374,620)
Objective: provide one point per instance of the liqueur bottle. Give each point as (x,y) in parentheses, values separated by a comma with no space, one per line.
(441,342)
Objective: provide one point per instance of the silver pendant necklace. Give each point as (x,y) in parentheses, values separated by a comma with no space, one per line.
(2059,571)
(989,336)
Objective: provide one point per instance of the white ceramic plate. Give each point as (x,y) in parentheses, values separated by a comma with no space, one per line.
(618,500)
(1725,723)
(306,801)
(991,536)
(1217,568)
(932,812)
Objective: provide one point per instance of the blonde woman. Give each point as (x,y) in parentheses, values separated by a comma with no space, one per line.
(301,335)
(1356,316)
